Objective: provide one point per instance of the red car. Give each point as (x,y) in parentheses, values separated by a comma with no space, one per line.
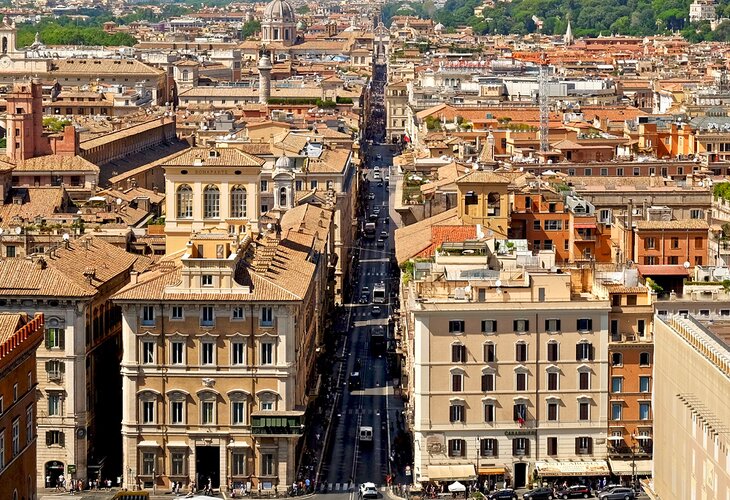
(578,491)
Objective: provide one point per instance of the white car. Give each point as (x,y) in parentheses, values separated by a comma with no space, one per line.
(368,490)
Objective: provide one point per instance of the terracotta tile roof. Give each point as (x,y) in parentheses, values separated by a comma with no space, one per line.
(255,148)
(56,163)
(411,240)
(24,278)
(482,177)
(331,161)
(127,131)
(37,201)
(9,324)
(226,157)
(111,67)
(697,224)
(442,234)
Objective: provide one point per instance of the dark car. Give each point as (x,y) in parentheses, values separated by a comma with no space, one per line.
(539,494)
(620,493)
(504,494)
(578,491)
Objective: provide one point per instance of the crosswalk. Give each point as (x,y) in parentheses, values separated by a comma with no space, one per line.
(347,486)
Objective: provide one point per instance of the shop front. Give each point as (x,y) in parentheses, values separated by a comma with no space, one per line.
(572,471)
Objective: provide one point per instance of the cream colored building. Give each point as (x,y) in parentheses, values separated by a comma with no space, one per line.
(219,351)
(509,367)
(691,408)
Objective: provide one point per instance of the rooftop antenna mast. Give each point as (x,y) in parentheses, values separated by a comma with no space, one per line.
(544,101)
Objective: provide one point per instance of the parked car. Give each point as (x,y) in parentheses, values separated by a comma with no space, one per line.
(620,493)
(371,196)
(368,490)
(506,493)
(577,491)
(539,494)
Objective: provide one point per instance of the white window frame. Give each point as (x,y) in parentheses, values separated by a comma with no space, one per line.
(204,404)
(175,405)
(489,326)
(238,313)
(55,404)
(29,424)
(266,317)
(237,405)
(174,345)
(207,316)
(177,309)
(620,406)
(148,411)
(15,444)
(206,280)
(148,315)
(144,345)
(267,354)
(207,353)
(457,326)
(235,345)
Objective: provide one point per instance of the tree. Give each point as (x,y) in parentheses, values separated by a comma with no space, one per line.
(250,28)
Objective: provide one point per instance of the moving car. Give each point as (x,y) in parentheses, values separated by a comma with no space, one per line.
(364,298)
(371,196)
(504,494)
(368,490)
(378,157)
(380,243)
(384,234)
(620,493)
(375,311)
(539,494)
(577,491)
(355,381)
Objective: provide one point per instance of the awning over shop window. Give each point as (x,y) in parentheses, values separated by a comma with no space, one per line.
(451,472)
(623,467)
(584,225)
(486,471)
(569,468)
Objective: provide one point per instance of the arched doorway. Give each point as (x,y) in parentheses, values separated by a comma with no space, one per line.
(54,469)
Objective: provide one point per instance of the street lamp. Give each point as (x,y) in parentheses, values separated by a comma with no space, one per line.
(633,459)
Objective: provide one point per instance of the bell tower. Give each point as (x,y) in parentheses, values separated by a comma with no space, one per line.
(8,33)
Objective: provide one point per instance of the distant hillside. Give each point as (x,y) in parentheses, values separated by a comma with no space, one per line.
(588,17)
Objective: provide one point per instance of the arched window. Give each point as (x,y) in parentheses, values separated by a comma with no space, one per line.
(282,198)
(211,202)
(185,74)
(238,201)
(5,45)
(184,202)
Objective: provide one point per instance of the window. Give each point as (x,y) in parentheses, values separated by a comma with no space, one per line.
(267,464)
(207,352)
(177,462)
(490,353)
(55,369)
(457,413)
(458,353)
(552,446)
(699,242)
(15,392)
(16,436)
(552,380)
(584,411)
(650,260)
(238,409)
(298,185)
(206,316)
(267,353)
(587,172)
(604,172)
(521,325)
(206,280)
(521,352)
(488,382)
(553,225)
(2,449)
(617,359)
(29,424)
(521,381)
(644,411)
(536,244)
(237,313)
(207,409)
(552,325)
(54,404)
(55,438)
(266,318)
(584,381)
(148,463)
(10,251)
(584,325)
(489,326)
(552,412)
(644,384)
(177,352)
(238,353)
(488,447)
(264,186)
(148,412)
(617,385)
(184,202)
(649,243)
(264,208)
(238,464)
(457,447)
(604,216)
(616,411)
(584,351)
(696,213)
(177,312)
(457,382)
(519,412)
(489,412)
(55,338)
(313,184)
(583,445)
(177,412)
(620,172)
(675,242)
(148,315)
(553,353)
(493,204)
(456,326)
(536,225)
(148,352)
(571,172)
(644,359)
(238,202)
(520,446)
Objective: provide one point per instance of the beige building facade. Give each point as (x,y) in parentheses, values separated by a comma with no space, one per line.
(219,350)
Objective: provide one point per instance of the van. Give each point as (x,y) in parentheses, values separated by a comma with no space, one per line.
(132,495)
(366,433)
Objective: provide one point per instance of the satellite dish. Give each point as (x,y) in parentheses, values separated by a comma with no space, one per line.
(269,226)
(18,230)
(119,201)
(66,237)
(498,283)
(467,288)
(686,264)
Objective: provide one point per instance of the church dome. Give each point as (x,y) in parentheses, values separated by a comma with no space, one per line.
(284,163)
(279,10)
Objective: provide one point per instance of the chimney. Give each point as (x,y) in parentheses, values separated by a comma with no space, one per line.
(90,274)
(41,263)
(134,277)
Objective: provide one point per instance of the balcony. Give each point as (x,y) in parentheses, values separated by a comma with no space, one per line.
(584,237)
(278,424)
(629,338)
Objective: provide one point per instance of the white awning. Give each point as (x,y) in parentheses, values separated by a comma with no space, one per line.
(572,468)
(624,467)
(452,472)
(178,444)
(148,444)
